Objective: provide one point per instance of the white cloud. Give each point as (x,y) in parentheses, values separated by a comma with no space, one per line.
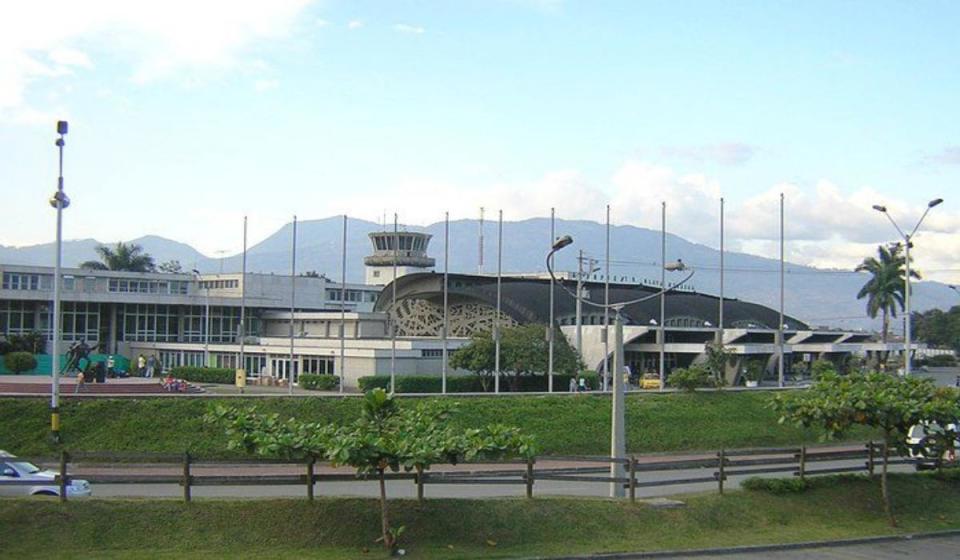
(726,153)
(45,39)
(411,29)
(264,85)
(355,24)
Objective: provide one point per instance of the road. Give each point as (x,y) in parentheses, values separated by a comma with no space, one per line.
(407,489)
(928,548)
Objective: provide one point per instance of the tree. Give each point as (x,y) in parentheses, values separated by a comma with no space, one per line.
(691,378)
(171,267)
(32,343)
(717,358)
(885,289)
(523,351)
(124,256)
(889,403)
(19,362)
(386,436)
(937,328)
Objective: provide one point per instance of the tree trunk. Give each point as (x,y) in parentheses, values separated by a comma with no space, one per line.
(384,519)
(884,484)
(886,326)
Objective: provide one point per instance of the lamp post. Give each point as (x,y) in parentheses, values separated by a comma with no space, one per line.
(618,443)
(907,241)
(59,200)
(206,319)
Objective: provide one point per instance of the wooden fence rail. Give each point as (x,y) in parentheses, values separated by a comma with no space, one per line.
(718,468)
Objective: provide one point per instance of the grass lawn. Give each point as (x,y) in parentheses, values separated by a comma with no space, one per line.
(561,424)
(833,507)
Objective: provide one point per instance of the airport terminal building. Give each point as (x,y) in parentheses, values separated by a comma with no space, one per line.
(187,319)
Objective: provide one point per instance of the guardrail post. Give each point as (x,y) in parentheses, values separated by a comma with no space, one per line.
(633,479)
(64,457)
(419,483)
(186,476)
(870,458)
(803,462)
(721,459)
(529,477)
(310,477)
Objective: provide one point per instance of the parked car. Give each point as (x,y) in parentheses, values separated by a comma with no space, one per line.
(915,439)
(650,381)
(43,482)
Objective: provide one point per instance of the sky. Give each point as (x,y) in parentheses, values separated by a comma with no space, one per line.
(187,115)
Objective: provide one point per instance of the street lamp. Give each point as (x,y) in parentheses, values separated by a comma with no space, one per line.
(59,200)
(618,441)
(206,319)
(907,242)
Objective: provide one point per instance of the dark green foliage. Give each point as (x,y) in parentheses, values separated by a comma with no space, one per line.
(691,378)
(821,367)
(19,362)
(942,360)
(777,486)
(205,374)
(886,288)
(463,384)
(32,342)
(322,382)
(939,329)
(124,256)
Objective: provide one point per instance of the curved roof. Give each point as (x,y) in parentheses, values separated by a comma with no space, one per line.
(527,300)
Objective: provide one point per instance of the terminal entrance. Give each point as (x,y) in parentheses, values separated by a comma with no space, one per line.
(280,368)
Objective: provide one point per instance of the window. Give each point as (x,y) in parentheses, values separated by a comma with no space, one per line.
(17,317)
(23,281)
(148,323)
(431,353)
(317,365)
(376,274)
(69,283)
(132,286)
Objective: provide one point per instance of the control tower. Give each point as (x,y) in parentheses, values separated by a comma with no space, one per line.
(409,256)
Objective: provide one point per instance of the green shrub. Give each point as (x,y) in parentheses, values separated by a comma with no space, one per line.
(942,360)
(777,486)
(322,382)
(205,375)
(691,378)
(19,362)
(821,367)
(468,384)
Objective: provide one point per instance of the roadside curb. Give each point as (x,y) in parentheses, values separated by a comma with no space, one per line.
(753,549)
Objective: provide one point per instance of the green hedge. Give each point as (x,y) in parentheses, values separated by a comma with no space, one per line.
(19,362)
(469,384)
(321,382)
(205,375)
(942,360)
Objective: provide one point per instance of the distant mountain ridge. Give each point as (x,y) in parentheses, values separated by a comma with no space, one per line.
(820,297)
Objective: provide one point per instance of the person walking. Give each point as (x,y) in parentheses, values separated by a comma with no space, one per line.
(151,365)
(141,365)
(573,385)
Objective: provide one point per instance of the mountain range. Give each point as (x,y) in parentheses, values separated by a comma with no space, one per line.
(817,296)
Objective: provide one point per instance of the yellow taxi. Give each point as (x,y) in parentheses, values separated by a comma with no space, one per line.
(650,381)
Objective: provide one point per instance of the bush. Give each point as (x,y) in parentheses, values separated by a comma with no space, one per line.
(691,378)
(942,360)
(322,382)
(205,375)
(777,486)
(821,367)
(19,362)
(468,384)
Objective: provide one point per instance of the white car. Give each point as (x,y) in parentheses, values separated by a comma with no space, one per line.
(42,482)
(918,432)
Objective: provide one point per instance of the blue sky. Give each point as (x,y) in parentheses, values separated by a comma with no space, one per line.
(187,115)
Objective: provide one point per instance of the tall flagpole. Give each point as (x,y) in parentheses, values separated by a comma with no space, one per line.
(780,372)
(393,308)
(606,310)
(343,305)
(480,243)
(720,325)
(446,272)
(550,326)
(496,320)
(243,301)
(663,294)
(293,299)
(59,201)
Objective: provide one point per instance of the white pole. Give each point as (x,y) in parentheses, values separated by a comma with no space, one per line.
(59,201)
(243,299)
(606,309)
(446,272)
(552,305)
(579,311)
(343,305)
(663,294)
(496,320)
(393,307)
(206,320)
(480,248)
(780,348)
(906,319)
(293,299)
(618,439)
(722,302)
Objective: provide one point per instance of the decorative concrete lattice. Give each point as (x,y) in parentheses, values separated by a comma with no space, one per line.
(419,317)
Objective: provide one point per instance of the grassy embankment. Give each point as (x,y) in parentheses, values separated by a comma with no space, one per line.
(562,424)
(832,508)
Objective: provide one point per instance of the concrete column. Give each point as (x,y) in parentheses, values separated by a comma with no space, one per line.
(618,439)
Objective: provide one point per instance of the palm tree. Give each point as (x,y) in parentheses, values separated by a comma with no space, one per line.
(125,256)
(885,289)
